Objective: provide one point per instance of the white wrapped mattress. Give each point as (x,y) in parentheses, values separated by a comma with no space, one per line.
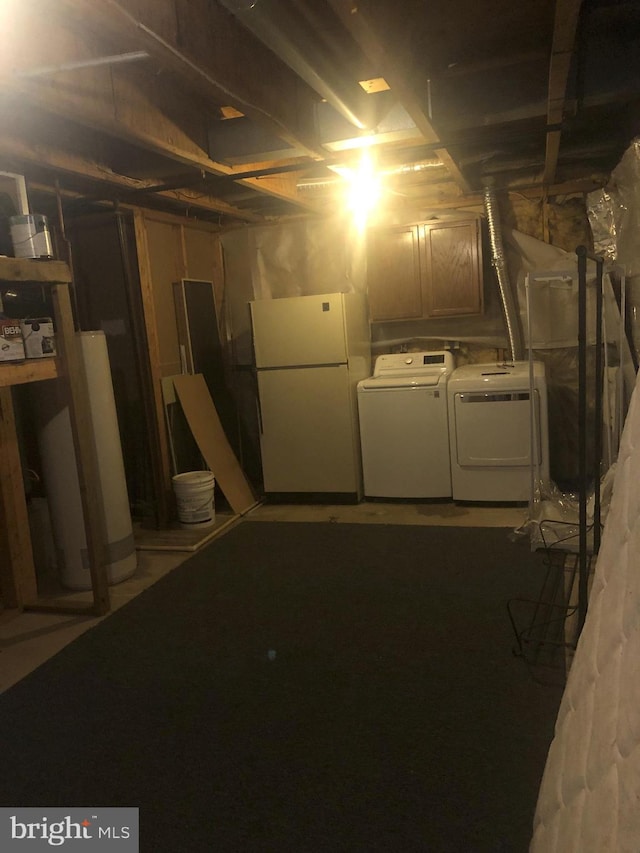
(589,800)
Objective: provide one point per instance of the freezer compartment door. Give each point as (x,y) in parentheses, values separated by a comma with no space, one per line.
(494,429)
(308,437)
(299,331)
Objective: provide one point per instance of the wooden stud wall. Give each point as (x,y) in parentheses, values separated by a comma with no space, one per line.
(171,248)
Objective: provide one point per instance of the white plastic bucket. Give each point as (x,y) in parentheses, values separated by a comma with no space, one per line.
(194,497)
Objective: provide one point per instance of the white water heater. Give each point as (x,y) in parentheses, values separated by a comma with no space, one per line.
(61,477)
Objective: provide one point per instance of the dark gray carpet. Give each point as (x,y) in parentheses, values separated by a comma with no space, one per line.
(301,687)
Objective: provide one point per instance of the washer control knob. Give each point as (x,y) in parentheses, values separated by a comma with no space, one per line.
(408,361)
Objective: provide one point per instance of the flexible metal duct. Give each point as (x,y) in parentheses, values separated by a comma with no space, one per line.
(293,40)
(509,305)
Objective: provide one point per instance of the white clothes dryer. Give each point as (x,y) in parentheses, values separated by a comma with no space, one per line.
(494,424)
(404,426)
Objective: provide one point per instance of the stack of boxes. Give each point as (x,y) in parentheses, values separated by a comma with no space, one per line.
(20,339)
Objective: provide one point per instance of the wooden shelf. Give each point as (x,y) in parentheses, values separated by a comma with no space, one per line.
(32,370)
(17,570)
(29,270)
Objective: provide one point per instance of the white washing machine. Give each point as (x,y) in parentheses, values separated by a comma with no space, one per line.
(493,429)
(404,426)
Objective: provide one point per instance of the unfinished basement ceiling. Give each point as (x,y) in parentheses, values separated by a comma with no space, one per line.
(245,110)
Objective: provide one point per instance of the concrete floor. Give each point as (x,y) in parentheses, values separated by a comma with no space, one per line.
(29,639)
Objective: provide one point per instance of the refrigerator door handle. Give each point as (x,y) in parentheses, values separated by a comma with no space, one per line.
(259,413)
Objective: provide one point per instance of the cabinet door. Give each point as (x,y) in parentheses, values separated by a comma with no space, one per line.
(393,273)
(451,264)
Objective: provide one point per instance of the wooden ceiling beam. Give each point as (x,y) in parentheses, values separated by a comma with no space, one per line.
(124,102)
(279,186)
(152,130)
(373,46)
(461,69)
(564,33)
(206,46)
(28,154)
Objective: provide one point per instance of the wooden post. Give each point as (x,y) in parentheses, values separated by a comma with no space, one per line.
(160,460)
(17,571)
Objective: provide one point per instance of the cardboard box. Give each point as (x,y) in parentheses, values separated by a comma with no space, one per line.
(39,337)
(11,341)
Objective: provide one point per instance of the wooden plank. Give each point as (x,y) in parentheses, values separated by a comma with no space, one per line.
(390,67)
(68,347)
(180,539)
(92,95)
(213,52)
(166,266)
(219,292)
(283,187)
(159,446)
(552,152)
(558,75)
(127,104)
(170,116)
(464,69)
(62,606)
(176,219)
(106,121)
(199,252)
(26,151)
(565,25)
(25,269)
(184,341)
(200,412)
(32,370)
(17,575)
(564,32)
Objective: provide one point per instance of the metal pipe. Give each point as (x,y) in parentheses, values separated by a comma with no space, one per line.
(118,59)
(509,306)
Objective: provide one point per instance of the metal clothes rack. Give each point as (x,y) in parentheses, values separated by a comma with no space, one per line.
(583,475)
(544,635)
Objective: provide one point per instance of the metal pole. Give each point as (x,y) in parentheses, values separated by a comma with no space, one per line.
(534,467)
(583,577)
(597,442)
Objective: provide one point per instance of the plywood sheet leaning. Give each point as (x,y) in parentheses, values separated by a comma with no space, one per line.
(205,425)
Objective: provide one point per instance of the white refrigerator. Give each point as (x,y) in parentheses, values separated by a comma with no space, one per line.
(310,353)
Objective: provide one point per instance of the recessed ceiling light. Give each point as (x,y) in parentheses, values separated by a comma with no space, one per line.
(377,84)
(230,112)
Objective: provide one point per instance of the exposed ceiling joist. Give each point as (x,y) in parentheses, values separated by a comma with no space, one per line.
(215,54)
(564,34)
(63,162)
(130,105)
(464,69)
(373,46)
(214,119)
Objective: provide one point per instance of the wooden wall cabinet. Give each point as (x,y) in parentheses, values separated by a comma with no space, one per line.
(425,271)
